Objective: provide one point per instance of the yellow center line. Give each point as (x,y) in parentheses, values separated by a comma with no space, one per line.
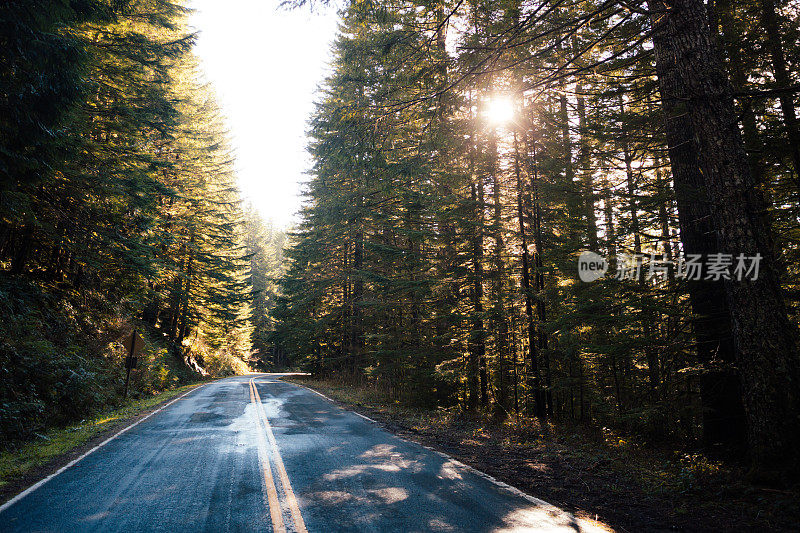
(299,524)
(263,456)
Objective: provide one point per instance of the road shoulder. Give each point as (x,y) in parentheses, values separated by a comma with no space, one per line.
(32,461)
(621,484)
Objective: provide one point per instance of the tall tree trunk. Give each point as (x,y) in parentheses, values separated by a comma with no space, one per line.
(608,216)
(345,324)
(527,290)
(177,297)
(184,319)
(544,401)
(356,337)
(732,43)
(584,162)
(769,19)
(477,373)
(693,82)
(720,392)
(476,368)
(631,185)
(664,218)
(499,278)
(482,368)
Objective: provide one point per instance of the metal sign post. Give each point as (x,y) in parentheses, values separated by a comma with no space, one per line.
(134,346)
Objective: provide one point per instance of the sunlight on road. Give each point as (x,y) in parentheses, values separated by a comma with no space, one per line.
(550,519)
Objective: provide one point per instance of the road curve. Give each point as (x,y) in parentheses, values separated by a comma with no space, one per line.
(253,453)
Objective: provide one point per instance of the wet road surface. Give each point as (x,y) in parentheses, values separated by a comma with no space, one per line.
(253,453)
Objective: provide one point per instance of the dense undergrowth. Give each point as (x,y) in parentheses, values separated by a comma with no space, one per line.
(62,359)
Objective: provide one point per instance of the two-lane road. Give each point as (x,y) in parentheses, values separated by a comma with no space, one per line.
(252,453)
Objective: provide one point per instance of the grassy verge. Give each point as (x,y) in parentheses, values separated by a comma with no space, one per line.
(19,463)
(593,473)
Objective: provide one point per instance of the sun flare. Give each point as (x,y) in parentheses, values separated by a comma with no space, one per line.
(500,110)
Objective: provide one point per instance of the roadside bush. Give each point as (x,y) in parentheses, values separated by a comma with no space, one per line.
(62,358)
(44,377)
(59,361)
(223,361)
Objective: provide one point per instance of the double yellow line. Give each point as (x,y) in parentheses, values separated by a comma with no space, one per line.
(264,457)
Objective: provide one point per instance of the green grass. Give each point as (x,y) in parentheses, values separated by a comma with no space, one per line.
(15,463)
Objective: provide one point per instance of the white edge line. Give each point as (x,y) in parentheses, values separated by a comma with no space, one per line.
(72,463)
(484,475)
(368,419)
(312,390)
(495,481)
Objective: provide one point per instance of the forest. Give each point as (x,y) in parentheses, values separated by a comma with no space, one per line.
(119,209)
(466,153)
(466,156)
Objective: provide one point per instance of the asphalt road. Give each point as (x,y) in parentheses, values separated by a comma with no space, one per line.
(252,453)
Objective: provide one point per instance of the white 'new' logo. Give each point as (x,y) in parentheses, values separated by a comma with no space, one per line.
(591,266)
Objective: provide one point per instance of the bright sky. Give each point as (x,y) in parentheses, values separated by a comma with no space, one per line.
(265,64)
